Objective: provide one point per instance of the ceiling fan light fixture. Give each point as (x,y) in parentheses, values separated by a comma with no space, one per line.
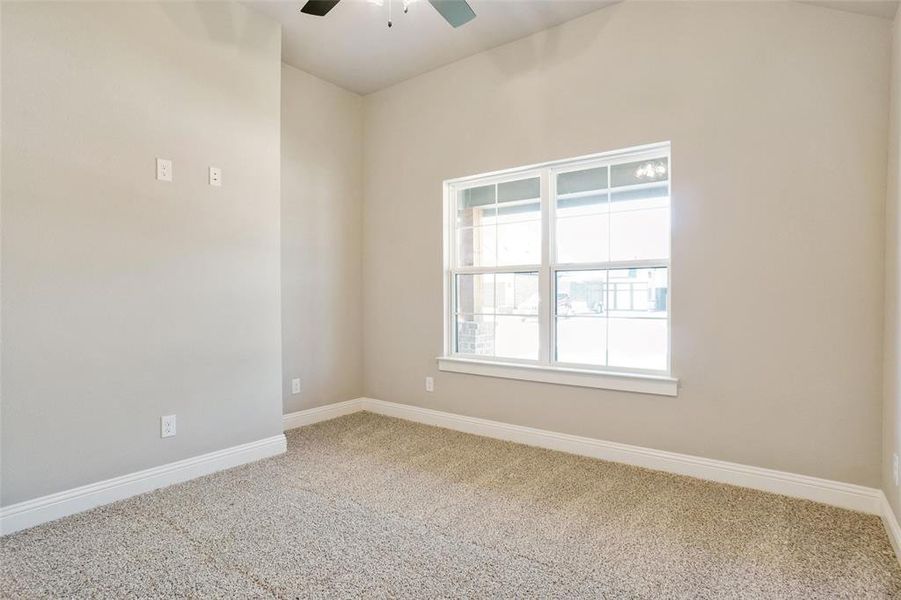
(455,12)
(650,170)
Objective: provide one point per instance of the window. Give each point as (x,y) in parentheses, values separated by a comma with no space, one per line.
(560,272)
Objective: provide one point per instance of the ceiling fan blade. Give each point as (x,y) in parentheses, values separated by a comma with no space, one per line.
(455,12)
(318,8)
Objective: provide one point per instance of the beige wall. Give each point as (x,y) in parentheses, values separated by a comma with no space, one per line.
(125,298)
(892,414)
(322,169)
(777,115)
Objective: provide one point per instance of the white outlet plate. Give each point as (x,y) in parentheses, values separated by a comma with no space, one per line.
(164,169)
(167,426)
(216,176)
(295,386)
(430,384)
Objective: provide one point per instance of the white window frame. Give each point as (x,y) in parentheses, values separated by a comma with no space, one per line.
(545,369)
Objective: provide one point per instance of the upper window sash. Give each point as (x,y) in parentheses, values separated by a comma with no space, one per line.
(498,222)
(601,203)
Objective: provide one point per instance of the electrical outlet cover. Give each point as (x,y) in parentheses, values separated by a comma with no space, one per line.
(163,169)
(167,426)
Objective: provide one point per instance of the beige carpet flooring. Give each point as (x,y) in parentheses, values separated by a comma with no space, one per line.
(371,507)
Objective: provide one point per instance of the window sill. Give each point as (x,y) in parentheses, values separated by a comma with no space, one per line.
(660,385)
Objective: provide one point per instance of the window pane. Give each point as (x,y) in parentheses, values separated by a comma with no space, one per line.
(476,246)
(519,200)
(582,340)
(639,224)
(517,293)
(582,181)
(519,243)
(516,337)
(639,234)
(475,206)
(581,292)
(615,317)
(475,294)
(591,204)
(583,239)
(637,302)
(475,334)
(637,343)
(524,210)
(655,195)
(515,191)
(582,228)
(637,292)
(643,171)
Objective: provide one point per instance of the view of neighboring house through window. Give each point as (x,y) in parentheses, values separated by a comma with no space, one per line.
(564,264)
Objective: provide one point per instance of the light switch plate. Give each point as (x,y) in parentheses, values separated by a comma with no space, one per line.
(216,176)
(163,169)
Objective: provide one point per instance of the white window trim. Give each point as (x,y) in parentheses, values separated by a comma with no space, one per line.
(544,370)
(661,385)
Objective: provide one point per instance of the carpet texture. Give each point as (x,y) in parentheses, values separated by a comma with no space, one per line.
(371,507)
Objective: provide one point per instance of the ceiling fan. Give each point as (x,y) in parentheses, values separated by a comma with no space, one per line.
(455,12)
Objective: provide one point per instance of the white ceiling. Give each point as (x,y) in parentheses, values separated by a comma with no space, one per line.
(353,47)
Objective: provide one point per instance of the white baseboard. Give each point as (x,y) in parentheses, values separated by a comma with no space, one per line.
(845,495)
(321,413)
(891,525)
(29,513)
(835,493)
